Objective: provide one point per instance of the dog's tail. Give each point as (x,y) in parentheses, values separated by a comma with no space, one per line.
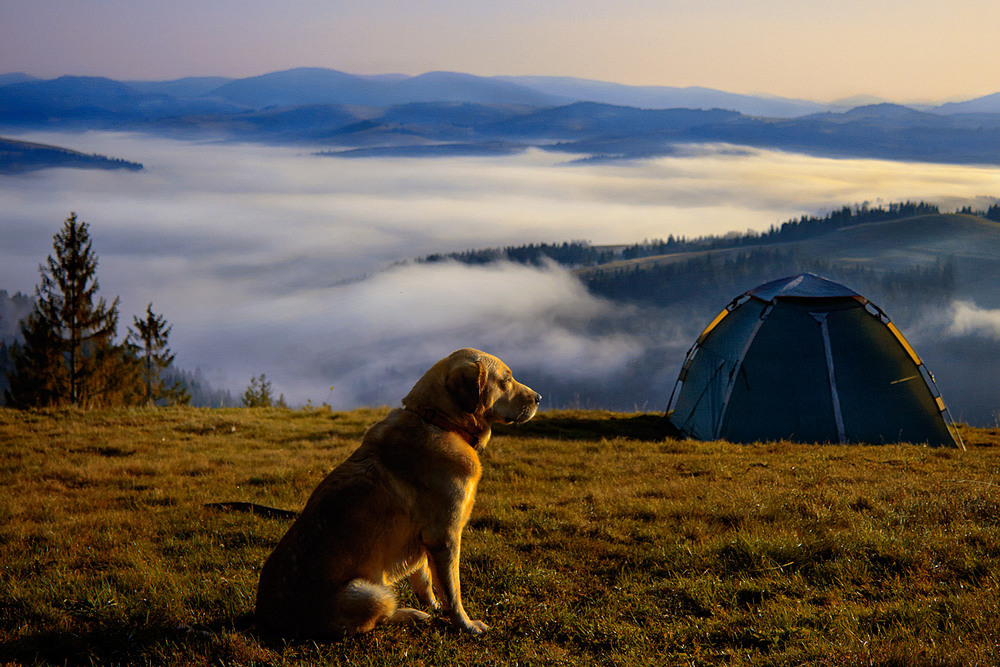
(362,604)
(253,508)
(320,611)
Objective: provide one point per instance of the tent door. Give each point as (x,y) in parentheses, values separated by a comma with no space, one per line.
(737,368)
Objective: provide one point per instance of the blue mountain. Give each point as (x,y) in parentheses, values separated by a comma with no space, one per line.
(666,97)
(310,85)
(440,113)
(990,104)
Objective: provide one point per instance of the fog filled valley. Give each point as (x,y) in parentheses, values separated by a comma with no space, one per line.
(309,268)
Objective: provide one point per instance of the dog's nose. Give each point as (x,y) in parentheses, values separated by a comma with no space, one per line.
(538,397)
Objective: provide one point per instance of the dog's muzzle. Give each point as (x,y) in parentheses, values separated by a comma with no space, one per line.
(528,411)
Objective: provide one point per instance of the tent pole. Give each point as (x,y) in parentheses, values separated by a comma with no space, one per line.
(831,374)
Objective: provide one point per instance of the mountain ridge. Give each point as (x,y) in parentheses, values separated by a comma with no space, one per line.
(551,90)
(396,114)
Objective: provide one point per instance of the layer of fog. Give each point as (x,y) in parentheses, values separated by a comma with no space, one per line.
(273,260)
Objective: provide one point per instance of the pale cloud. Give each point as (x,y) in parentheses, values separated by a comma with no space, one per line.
(371,339)
(969,319)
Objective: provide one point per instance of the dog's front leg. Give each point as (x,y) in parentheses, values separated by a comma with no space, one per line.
(443,560)
(422,583)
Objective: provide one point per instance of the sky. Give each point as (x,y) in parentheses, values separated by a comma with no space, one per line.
(898,50)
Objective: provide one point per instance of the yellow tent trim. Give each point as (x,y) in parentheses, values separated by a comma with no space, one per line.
(904,343)
(718,318)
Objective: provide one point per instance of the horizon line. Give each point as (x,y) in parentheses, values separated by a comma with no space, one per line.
(857,99)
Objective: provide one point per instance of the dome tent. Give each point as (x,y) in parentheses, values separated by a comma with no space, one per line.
(807,359)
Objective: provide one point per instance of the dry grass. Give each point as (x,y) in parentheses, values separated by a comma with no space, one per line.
(595,540)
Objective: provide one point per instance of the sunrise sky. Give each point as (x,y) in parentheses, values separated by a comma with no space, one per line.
(900,50)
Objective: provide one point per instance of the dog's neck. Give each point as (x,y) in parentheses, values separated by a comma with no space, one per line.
(432,416)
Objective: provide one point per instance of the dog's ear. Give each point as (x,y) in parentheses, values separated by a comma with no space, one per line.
(465,383)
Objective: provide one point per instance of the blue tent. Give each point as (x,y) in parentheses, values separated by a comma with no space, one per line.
(807,359)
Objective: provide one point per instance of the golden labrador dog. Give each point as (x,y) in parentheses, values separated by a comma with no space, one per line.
(396,508)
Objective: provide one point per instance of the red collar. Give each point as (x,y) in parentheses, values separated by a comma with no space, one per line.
(432,416)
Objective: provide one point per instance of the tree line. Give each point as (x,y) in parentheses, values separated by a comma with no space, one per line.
(67,353)
(584,254)
(991,213)
(805,227)
(571,253)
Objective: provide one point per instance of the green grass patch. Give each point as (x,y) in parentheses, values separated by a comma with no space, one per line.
(596,540)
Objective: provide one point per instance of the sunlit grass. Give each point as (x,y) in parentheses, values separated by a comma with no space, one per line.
(595,540)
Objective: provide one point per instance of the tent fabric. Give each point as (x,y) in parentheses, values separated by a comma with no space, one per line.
(804,285)
(808,360)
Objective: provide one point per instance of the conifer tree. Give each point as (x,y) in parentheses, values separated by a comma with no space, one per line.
(258,394)
(149,337)
(68,354)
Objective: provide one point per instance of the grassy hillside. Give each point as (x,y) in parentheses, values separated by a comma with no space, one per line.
(970,243)
(595,540)
(864,253)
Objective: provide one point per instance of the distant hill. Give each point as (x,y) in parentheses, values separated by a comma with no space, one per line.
(305,86)
(14,77)
(590,119)
(907,245)
(313,85)
(896,256)
(902,244)
(885,112)
(970,242)
(68,98)
(190,87)
(21,156)
(93,103)
(665,97)
(456,87)
(989,104)
(447,113)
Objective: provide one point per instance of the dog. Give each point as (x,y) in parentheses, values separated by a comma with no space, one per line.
(395,508)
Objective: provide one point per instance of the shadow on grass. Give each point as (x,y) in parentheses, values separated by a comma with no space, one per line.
(104,645)
(593,426)
(226,641)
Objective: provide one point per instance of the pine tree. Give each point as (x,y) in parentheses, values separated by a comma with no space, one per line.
(68,354)
(150,339)
(258,394)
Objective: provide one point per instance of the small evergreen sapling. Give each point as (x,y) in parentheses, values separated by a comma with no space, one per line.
(149,338)
(258,394)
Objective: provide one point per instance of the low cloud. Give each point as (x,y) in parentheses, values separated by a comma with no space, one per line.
(969,319)
(370,340)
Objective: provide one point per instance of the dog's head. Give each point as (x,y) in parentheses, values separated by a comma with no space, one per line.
(473,384)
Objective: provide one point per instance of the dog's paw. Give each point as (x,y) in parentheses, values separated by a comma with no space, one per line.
(476,627)
(408,616)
